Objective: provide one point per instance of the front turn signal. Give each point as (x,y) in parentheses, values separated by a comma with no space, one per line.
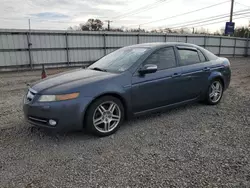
(66,96)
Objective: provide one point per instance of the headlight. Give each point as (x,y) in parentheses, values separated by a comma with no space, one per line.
(47,98)
(50,98)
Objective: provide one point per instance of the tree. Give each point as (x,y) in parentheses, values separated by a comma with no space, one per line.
(70,28)
(74,28)
(92,25)
(202,31)
(154,31)
(183,31)
(136,30)
(241,32)
(168,30)
(114,29)
(222,30)
(217,33)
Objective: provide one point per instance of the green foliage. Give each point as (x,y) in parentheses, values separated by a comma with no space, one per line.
(92,25)
(241,32)
(97,25)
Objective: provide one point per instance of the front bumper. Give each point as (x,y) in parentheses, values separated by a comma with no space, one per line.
(69,114)
(227,79)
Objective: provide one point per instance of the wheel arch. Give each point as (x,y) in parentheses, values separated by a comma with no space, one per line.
(113,94)
(219,76)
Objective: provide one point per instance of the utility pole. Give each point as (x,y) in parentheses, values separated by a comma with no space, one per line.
(232,10)
(109,21)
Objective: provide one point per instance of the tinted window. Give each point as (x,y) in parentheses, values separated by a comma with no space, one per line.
(202,57)
(163,58)
(119,60)
(188,57)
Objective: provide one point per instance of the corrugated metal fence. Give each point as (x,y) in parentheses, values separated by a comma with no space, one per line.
(24,49)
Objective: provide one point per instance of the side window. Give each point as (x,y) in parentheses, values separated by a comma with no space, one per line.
(209,55)
(202,57)
(163,58)
(188,57)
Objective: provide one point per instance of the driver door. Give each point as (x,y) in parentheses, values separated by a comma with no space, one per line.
(157,89)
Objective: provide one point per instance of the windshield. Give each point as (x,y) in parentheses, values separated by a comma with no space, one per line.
(119,60)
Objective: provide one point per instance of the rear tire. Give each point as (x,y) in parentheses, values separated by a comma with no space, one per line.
(214,92)
(104,116)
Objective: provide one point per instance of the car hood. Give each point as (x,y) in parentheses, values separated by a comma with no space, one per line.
(74,78)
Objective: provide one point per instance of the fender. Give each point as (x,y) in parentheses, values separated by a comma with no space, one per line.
(216,74)
(118,92)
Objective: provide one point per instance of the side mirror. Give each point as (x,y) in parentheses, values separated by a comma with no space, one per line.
(148,68)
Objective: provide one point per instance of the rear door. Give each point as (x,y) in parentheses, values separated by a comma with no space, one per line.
(195,71)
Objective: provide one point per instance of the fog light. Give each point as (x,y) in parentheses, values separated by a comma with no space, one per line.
(52,122)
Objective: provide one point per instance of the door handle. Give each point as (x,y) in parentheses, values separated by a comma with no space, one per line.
(206,69)
(176,75)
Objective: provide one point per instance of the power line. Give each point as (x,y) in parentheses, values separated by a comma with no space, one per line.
(151,7)
(142,9)
(245,11)
(192,24)
(242,4)
(195,25)
(60,21)
(246,16)
(190,12)
(29,3)
(222,21)
(204,21)
(132,11)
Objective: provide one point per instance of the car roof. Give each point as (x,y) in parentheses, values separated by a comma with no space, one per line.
(157,45)
(162,44)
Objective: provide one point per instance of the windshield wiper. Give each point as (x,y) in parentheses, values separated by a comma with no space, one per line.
(99,69)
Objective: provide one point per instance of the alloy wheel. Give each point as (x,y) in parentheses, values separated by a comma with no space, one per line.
(215,91)
(106,117)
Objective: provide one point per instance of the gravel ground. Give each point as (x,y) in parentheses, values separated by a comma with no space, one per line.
(191,146)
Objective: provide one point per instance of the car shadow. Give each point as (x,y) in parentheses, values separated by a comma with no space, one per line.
(57,136)
(84,135)
(165,112)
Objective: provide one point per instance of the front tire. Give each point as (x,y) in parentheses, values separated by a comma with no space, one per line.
(104,116)
(215,92)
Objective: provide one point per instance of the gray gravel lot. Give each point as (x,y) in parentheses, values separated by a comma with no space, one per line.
(191,146)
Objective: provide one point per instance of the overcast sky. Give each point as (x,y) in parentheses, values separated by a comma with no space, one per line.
(60,14)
